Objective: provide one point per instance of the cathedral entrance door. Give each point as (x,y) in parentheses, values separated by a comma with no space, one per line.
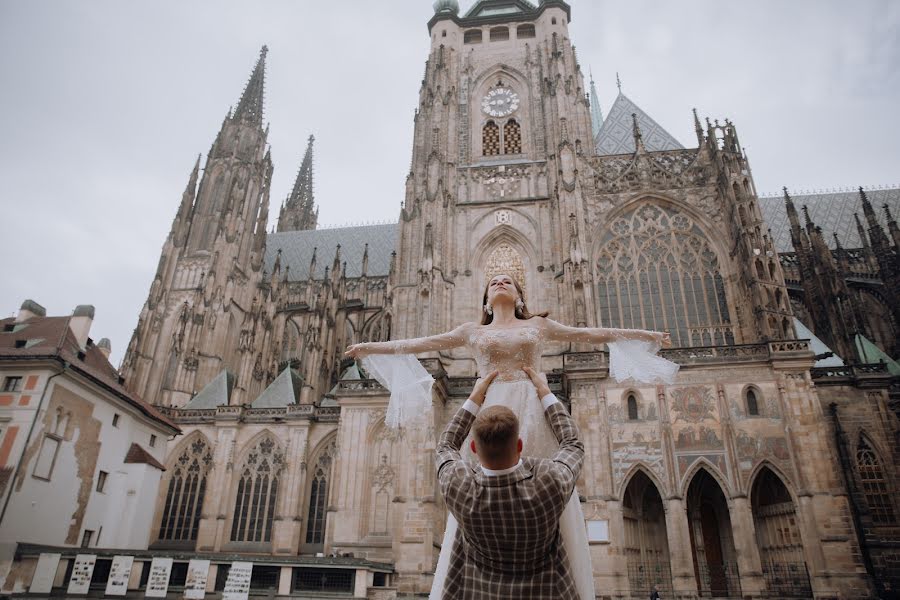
(712,542)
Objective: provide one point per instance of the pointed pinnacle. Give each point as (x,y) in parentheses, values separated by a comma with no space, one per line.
(250,107)
(806,215)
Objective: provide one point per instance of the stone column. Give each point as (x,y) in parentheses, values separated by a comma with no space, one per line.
(284,581)
(361,583)
(684,581)
(749,565)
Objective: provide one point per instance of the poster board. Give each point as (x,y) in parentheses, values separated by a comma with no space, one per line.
(197,576)
(119,574)
(237,586)
(44,573)
(158,580)
(598,531)
(82,571)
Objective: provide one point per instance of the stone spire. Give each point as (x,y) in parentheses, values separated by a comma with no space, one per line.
(877,236)
(638,136)
(892,227)
(250,107)
(596,111)
(182,223)
(299,212)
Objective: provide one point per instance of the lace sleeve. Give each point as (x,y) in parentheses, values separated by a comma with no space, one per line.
(557,332)
(445,341)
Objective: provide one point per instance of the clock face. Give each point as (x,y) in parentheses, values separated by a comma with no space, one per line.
(500,102)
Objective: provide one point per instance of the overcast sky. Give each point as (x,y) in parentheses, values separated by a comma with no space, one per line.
(104,105)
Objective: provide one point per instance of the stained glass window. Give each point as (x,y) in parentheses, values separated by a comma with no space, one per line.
(187,490)
(657,270)
(318,497)
(254,506)
(875,486)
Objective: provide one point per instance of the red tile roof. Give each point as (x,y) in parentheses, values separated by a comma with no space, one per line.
(137,454)
(51,337)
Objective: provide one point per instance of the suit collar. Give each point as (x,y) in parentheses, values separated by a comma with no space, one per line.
(497,473)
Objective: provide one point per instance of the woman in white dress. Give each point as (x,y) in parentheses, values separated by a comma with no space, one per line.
(509,338)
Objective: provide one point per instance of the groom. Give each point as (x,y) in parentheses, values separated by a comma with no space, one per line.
(508,543)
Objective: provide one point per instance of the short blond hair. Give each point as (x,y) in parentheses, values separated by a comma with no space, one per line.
(495,430)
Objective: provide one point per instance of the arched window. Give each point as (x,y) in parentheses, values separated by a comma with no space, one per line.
(472,36)
(499,34)
(657,270)
(761,270)
(490,139)
(318,498)
(504,260)
(875,486)
(553,21)
(254,505)
(512,137)
(752,402)
(632,408)
(525,32)
(187,490)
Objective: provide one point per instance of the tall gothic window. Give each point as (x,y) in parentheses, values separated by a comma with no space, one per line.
(656,270)
(752,403)
(318,497)
(490,139)
(874,484)
(291,346)
(512,137)
(504,260)
(254,506)
(632,408)
(187,489)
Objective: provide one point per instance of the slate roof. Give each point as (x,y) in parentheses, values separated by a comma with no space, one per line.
(297,249)
(216,393)
(832,211)
(52,338)
(283,391)
(616,136)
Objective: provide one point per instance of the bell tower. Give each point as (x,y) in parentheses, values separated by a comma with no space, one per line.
(502,124)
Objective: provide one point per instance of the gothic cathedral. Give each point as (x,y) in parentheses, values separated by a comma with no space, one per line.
(766,471)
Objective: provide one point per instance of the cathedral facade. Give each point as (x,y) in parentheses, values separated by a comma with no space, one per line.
(766,471)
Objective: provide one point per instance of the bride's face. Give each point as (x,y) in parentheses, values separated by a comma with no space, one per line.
(502,288)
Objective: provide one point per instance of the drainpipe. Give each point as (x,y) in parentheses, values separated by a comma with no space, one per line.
(850,487)
(37,414)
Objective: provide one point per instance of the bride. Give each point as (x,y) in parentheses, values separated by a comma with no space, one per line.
(509,338)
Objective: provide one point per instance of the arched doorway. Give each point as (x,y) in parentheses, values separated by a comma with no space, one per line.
(646,539)
(778,538)
(712,541)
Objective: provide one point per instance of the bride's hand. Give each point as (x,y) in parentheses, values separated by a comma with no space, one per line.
(539,380)
(357,351)
(665,339)
(479,392)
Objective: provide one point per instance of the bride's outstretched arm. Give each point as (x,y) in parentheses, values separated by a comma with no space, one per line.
(557,332)
(445,341)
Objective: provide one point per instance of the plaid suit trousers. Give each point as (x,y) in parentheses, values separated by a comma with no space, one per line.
(508,543)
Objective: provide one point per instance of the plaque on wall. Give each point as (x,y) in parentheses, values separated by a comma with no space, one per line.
(237,586)
(197,575)
(598,531)
(44,574)
(82,571)
(158,580)
(119,572)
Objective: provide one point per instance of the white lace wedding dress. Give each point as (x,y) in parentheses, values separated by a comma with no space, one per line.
(507,350)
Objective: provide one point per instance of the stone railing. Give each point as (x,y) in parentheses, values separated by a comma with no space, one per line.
(848,374)
(355,387)
(254,415)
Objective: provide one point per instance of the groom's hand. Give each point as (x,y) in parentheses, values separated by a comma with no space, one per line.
(480,390)
(539,380)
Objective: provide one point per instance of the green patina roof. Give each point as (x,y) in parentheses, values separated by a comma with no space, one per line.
(216,393)
(283,391)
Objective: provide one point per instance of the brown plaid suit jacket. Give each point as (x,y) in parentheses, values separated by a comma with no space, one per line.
(508,543)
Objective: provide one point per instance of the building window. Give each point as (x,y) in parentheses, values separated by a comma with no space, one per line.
(101,481)
(473,36)
(153,441)
(86,538)
(318,497)
(254,505)
(186,492)
(656,269)
(875,486)
(752,403)
(553,21)
(12,384)
(499,34)
(632,408)
(490,139)
(525,32)
(323,580)
(512,137)
(115,420)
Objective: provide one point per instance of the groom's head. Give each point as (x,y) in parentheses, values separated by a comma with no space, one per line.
(495,438)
